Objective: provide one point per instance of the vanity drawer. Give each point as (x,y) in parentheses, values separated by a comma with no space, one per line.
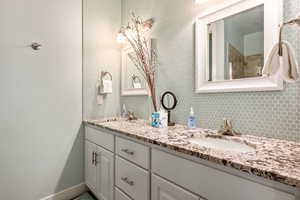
(132,179)
(100,138)
(163,189)
(211,183)
(120,195)
(133,152)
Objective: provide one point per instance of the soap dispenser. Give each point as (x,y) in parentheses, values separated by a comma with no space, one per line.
(192,119)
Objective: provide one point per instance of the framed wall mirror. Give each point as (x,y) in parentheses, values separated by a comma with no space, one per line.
(232,43)
(133,82)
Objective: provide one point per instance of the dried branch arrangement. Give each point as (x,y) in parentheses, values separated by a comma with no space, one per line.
(144,57)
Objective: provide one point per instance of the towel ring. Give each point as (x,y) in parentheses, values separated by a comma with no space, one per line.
(107,73)
(291,22)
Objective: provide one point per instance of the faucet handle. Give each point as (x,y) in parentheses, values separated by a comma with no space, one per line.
(227,129)
(227,124)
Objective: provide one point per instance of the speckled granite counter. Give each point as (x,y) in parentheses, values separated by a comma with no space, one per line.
(273,159)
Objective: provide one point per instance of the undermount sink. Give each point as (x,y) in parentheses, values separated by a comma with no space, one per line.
(222,144)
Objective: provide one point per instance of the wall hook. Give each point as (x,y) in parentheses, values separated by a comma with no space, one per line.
(36,46)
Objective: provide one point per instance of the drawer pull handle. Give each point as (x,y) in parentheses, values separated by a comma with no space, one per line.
(128,151)
(126,180)
(96,160)
(93,158)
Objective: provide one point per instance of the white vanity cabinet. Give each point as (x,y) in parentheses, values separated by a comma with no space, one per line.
(120,168)
(99,169)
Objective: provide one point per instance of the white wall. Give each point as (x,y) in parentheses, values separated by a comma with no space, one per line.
(254,44)
(102,21)
(41,145)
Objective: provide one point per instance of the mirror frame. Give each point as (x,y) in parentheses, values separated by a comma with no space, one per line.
(129,92)
(273,14)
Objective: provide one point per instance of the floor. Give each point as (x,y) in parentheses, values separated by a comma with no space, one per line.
(85,196)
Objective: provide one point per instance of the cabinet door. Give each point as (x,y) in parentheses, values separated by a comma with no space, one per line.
(105,174)
(90,166)
(164,190)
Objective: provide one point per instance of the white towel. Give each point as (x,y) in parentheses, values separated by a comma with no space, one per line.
(284,66)
(106,87)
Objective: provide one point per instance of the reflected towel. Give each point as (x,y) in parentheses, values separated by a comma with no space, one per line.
(284,66)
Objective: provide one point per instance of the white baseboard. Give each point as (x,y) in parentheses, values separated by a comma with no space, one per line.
(68,193)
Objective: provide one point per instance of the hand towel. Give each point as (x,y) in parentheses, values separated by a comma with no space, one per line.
(284,66)
(106,87)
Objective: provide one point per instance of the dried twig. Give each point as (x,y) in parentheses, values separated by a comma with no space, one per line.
(145,58)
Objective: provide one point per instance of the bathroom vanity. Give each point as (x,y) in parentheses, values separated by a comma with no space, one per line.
(131,160)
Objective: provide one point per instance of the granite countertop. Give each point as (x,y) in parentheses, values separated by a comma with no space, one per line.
(273,159)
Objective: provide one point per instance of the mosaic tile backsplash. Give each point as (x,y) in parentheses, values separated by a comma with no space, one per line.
(270,114)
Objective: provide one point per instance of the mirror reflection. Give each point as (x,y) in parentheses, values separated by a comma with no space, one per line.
(168,101)
(133,77)
(236,46)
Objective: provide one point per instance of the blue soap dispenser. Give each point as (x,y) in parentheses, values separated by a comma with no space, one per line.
(191,120)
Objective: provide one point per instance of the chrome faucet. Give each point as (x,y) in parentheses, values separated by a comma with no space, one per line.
(227,129)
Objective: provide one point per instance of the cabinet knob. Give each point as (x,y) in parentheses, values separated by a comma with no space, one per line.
(126,180)
(129,152)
